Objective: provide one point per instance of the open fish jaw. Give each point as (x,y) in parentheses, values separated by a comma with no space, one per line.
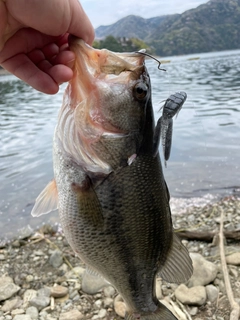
(90,108)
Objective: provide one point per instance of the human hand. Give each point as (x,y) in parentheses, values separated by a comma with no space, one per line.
(34,40)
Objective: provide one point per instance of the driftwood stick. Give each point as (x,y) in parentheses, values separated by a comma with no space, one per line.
(234,305)
(206,235)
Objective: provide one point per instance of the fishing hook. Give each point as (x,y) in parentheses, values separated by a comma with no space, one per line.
(152,57)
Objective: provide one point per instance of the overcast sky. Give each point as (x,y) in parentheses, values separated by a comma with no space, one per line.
(105,12)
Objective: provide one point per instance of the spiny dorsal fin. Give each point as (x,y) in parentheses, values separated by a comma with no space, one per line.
(178,266)
(47,201)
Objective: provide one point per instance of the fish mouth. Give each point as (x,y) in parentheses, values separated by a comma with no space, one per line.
(101,78)
(99,62)
(93,64)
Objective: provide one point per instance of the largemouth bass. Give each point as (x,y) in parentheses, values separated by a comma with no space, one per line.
(109,186)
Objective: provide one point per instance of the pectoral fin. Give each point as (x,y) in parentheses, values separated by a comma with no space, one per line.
(178,266)
(47,201)
(88,204)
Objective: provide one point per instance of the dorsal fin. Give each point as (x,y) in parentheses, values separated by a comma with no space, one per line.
(178,266)
(47,201)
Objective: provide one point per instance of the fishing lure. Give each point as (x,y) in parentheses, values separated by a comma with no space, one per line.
(164,127)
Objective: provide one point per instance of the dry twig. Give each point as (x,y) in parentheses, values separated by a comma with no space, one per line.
(234,305)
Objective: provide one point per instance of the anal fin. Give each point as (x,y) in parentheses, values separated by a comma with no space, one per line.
(178,266)
(47,200)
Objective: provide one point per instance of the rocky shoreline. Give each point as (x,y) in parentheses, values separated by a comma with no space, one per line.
(41,278)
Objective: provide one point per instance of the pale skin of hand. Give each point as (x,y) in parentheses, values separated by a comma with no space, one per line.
(33,40)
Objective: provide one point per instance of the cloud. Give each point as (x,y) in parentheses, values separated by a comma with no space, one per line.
(106,12)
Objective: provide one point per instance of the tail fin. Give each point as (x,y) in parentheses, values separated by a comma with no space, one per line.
(162,313)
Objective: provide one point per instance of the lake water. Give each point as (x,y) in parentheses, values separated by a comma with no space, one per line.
(205,155)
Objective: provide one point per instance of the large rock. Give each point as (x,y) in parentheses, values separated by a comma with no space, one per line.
(204,272)
(192,296)
(7,288)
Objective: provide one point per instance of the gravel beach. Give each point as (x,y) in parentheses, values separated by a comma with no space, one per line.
(41,278)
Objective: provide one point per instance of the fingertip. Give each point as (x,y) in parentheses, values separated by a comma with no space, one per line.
(60,73)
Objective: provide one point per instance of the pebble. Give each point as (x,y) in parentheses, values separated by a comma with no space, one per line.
(7,288)
(193,311)
(108,302)
(9,305)
(29,295)
(159,289)
(22,317)
(119,306)
(102,313)
(40,302)
(192,296)
(98,303)
(212,292)
(204,271)
(32,312)
(56,259)
(45,292)
(25,232)
(233,259)
(92,284)
(59,291)
(71,315)
(17,311)
(109,291)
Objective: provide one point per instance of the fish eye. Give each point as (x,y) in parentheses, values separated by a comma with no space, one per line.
(140,91)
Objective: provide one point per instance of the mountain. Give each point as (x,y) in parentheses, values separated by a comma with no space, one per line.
(212,26)
(131,27)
